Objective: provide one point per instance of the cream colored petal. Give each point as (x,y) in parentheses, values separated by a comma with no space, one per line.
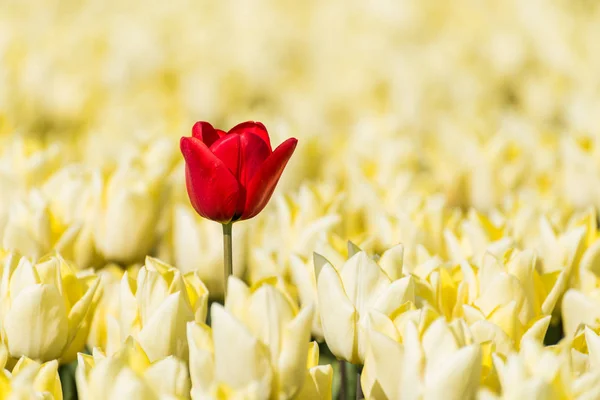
(47,380)
(410,381)
(383,367)
(593,344)
(591,259)
(23,276)
(338,315)
(318,384)
(37,325)
(381,323)
(85,363)
(238,296)
(438,342)
(503,289)
(391,261)
(506,317)
(294,349)
(537,331)
(165,332)
(522,266)
(578,308)
(169,377)
(151,292)
(267,314)
(240,359)
(353,249)
(363,281)
(128,385)
(313,355)
(396,294)
(128,308)
(485,331)
(80,310)
(201,360)
(457,377)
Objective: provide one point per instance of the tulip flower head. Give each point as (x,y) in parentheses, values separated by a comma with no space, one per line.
(231,176)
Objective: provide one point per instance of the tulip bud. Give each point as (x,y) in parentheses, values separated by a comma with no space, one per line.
(231,176)
(130,374)
(347,295)
(155,308)
(29,379)
(127,203)
(258,344)
(438,362)
(43,306)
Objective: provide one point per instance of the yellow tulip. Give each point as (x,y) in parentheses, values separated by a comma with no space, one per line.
(125,210)
(434,362)
(44,306)
(104,325)
(155,308)
(29,379)
(129,374)
(347,295)
(258,345)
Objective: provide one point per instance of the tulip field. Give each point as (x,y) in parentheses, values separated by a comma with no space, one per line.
(277,199)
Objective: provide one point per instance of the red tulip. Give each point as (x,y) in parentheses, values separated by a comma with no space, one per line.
(231,176)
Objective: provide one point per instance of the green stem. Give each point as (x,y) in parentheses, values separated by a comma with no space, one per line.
(359,393)
(343,380)
(227,256)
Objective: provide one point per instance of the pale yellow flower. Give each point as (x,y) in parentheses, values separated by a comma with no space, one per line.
(44,307)
(155,308)
(29,379)
(125,212)
(347,295)
(257,347)
(435,360)
(130,374)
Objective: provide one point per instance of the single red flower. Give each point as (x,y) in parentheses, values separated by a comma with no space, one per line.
(231,176)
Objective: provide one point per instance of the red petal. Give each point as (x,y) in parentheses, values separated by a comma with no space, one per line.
(262,185)
(227,149)
(213,190)
(204,131)
(256,128)
(243,154)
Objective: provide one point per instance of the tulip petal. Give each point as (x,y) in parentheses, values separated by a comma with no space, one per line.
(164,333)
(201,360)
(243,154)
(37,325)
(294,350)
(213,190)
(169,377)
(457,377)
(262,185)
(241,361)
(338,315)
(383,366)
(255,128)
(206,132)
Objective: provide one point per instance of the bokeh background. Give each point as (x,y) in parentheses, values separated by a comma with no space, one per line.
(413,116)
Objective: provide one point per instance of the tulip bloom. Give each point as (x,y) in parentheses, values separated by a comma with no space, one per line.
(231,176)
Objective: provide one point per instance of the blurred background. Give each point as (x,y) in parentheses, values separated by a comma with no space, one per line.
(415,118)
(399,107)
